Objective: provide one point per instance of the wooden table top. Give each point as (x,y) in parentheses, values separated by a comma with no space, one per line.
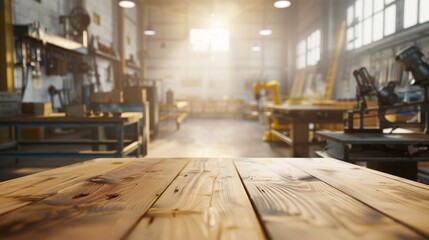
(213,199)
(375,138)
(176,104)
(287,108)
(62,118)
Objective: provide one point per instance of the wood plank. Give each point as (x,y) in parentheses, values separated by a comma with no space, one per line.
(206,201)
(20,192)
(102,207)
(405,202)
(282,137)
(399,179)
(126,117)
(73,141)
(294,204)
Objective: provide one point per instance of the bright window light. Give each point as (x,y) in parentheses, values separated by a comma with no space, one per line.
(358,32)
(367,10)
(350,15)
(424,6)
(410,13)
(219,39)
(308,50)
(313,48)
(378,5)
(350,37)
(358,9)
(371,20)
(203,40)
(256,48)
(390,20)
(367,31)
(377,32)
(300,61)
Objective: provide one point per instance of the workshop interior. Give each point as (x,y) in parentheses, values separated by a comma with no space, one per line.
(277,95)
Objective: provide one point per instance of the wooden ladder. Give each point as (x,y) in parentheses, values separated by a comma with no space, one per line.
(333,66)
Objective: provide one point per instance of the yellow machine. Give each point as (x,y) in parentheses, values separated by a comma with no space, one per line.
(273,87)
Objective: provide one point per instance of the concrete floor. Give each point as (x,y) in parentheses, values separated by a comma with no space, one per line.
(206,137)
(197,138)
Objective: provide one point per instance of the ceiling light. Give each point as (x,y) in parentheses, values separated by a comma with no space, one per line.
(149,31)
(281,4)
(265,31)
(127,3)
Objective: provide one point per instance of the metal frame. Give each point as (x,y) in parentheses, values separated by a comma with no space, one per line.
(128,107)
(121,149)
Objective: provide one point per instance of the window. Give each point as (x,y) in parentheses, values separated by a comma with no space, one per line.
(313,48)
(369,21)
(410,13)
(424,6)
(300,61)
(308,51)
(203,40)
(414,12)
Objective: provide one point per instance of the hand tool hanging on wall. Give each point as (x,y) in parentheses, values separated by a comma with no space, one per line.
(93,61)
(24,67)
(109,73)
(53,91)
(56,64)
(35,64)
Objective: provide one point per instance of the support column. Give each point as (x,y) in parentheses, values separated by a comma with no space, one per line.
(140,37)
(7,78)
(119,83)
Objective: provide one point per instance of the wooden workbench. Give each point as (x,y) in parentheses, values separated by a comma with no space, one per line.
(175,111)
(213,199)
(62,118)
(300,116)
(119,124)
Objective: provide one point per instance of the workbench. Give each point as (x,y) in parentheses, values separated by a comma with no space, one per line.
(300,116)
(142,108)
(126,122)
(173,111)
(282,198)
(394,153)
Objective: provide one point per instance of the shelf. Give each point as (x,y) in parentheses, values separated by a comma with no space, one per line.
(133,66)
(106,56)
(49,38)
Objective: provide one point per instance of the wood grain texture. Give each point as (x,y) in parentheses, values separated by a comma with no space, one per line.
(296,205)
(206,201)
(19,192)
(125,117)
(102,207)
(404,202)
(399,179)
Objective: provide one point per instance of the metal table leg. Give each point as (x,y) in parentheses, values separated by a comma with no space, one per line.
(119,139)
